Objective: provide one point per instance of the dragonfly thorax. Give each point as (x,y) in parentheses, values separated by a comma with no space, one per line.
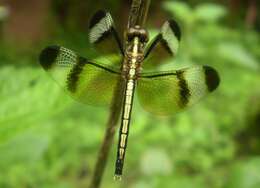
(139,32)
(137,38)
(134,58)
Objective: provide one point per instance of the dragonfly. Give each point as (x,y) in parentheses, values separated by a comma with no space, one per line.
(132,64)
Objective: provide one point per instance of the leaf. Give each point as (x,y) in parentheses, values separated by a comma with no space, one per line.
(182,182)
(25,148)
(245,175)
(209,12)
(235,53)
(142,184)
(156,162)
(179,9)
(26,97)
(4,13)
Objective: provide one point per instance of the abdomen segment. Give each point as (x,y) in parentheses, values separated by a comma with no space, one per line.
(124,129)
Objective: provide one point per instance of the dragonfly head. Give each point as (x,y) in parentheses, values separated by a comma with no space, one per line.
(139,32)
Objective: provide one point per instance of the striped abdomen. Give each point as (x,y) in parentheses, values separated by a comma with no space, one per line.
(125,122)
(132,68)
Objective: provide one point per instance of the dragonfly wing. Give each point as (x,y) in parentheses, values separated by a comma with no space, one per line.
(165,45)
(87,82)
(104,37)
(166,93)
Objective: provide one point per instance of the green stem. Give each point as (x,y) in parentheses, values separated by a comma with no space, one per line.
(115,111)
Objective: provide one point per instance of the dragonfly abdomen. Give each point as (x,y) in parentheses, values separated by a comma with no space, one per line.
(132,68)
(125,122)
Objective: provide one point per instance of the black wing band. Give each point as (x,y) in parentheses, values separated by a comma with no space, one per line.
(103,33)
(166,93)
(85,81)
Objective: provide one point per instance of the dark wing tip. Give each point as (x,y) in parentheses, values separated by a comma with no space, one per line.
(175,28)
(48,56)
(212,78)
(97,17)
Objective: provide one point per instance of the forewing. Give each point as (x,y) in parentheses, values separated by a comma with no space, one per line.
(87,82)
(105,38)
(164,46)
(169,92)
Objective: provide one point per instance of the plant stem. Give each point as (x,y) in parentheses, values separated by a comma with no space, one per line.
(138,14)
(115,111)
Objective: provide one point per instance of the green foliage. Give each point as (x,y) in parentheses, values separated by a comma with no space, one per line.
(245,174)
(208,13)
(206,37)
(4,12)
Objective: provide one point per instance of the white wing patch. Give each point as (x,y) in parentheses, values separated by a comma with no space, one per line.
(195,78)
(170,37)
(103,26)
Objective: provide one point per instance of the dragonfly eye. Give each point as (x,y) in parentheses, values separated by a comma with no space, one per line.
(137,31)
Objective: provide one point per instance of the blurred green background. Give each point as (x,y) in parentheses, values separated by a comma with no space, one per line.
(49,141)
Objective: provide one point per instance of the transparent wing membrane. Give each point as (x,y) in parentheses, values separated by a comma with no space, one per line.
(87,82)
(105,38)
(166,93)
(164,46)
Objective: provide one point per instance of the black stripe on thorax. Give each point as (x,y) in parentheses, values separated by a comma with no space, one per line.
(184,89)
